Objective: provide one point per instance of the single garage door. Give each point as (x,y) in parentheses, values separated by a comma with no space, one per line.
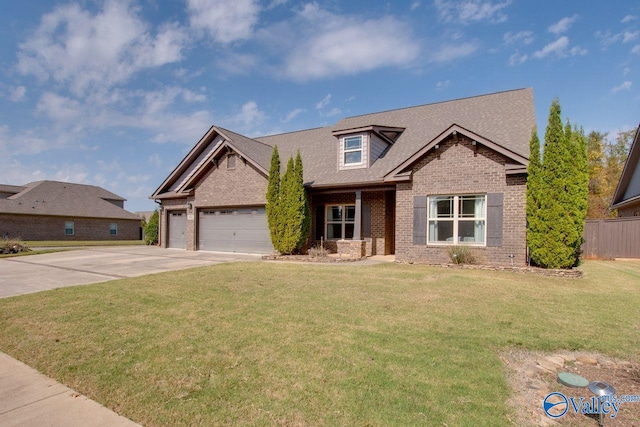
(178,230)
(234,230)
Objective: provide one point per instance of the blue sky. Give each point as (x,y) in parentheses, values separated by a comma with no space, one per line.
(114,93)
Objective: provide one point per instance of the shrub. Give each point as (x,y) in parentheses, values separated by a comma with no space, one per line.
(461,255)
(151,229)
(12,246)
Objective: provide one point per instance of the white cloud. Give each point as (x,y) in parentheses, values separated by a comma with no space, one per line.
(607,38)
(59,108)
(562,25)
(18,93)
(560,48)
(443,85)
(333,112)
(225,21)
(293,114)
(250,115)
(326,45)
(630,36)
(468,11)
(629,18)
(323,102)
(155,160)
(524,37)
(626,71)
(190,96)
(636,49)
(235,63)
(415,5)
(27,142)
(450,52)
(624,86)
(73,46)
(517,58)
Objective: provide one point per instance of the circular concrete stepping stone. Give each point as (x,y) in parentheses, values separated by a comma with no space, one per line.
(572,380)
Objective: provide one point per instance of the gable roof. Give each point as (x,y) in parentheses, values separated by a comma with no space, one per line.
(502,120)
(628,189)
(65,199)
(198,160)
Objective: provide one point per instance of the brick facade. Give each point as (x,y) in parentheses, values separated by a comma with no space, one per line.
(459,169)
(380,242)
(241,185)
(43,227)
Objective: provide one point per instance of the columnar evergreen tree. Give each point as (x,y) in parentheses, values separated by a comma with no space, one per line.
(535,231)
(288,211)
(273,198)
(556,217)
(303,204)
(580,190)
(151,229)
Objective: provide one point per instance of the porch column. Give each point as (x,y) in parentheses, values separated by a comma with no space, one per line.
(358,223)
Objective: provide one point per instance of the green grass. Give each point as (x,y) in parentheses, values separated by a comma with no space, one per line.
(286,344)
(36,252)
(74,243)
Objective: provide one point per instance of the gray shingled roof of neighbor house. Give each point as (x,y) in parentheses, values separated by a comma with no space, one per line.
(505,118)
(65,199)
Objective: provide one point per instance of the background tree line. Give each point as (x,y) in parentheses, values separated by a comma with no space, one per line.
(606,160)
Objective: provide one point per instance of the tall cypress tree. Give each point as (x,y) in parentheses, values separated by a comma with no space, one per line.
(561,194)
(581,188)
(535,236)
(289,216)
(273,198)
(303,204)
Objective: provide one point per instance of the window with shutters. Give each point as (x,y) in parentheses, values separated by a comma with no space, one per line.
(457,220)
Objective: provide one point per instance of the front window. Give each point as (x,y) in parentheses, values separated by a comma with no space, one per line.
(69,228)
(113,229)
(457,220)
(340,221)
(353,150)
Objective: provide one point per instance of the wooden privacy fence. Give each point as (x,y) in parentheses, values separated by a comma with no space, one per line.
(612,238)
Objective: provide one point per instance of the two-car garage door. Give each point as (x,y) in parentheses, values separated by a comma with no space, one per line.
(234,230)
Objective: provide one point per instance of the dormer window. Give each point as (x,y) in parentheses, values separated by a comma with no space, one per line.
(353,150)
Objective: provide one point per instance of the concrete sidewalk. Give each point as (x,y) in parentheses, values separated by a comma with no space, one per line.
(28,398)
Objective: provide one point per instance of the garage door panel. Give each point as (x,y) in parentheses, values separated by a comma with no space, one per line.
(177,230)
(234,230)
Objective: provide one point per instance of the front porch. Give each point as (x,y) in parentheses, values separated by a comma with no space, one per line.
(354,221)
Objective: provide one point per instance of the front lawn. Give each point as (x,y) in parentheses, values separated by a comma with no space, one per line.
(285,344)
(79,243)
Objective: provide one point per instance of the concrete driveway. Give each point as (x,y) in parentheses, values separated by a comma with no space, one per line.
(35,273)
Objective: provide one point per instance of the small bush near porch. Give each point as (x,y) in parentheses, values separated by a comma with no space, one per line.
(284,344)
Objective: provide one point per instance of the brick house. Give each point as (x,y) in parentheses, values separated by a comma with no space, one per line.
(626,199)
(51,210)
(410,182)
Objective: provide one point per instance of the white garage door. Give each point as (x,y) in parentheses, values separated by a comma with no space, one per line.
(178,230)
(234,230)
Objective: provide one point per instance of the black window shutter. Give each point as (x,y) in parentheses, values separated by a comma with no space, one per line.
(420,220)
(494,219)
(366,219)
(319,222)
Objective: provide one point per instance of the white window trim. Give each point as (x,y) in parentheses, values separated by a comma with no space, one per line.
(342,221)
(113,228)
(352,150)
(456,220)
(72,228)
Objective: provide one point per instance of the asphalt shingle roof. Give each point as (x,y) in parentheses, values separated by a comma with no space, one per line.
(506,118)
(65,199)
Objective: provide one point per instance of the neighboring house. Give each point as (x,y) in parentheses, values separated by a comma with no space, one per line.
(51,210)
(410,182)
(626,199)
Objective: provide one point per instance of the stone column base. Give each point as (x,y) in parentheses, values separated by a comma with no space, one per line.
(354,249)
